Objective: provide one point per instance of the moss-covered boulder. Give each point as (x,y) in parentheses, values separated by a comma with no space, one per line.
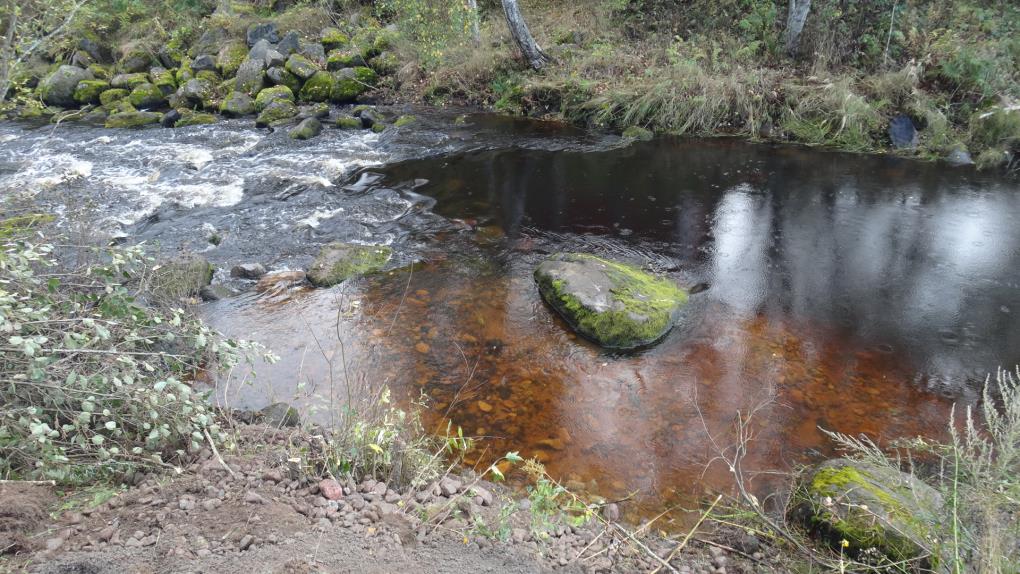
(301,66)
(276,113)
(338,262)
(237,104)
(163,79)
(230,57)
(184,72)
(638,133)
(113,95)
(251,77)
(58,88)
(89,91)
(209,75)
(133,119)
(136,59)
(333,38)
(279,76)
(193,118)
(317,88)
(270,95)
(279,415)
(404,120)
(344,58)
(613,304)
(307,129)
(182,276)
(101,72)
(147,96)
(870,507)
(350,83)
(129,81)
(348,123)
(194,93)
(379,127)
(364,42)
(385,63)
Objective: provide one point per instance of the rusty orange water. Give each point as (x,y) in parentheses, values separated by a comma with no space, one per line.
(849,294)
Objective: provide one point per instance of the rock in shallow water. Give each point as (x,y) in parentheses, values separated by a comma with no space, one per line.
(340,261)
(614,304)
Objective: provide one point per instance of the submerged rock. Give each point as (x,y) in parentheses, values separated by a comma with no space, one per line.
(614,304)
(871,506)
(959,156)
(58,88)
(638,133)
(338,262)
(307,129)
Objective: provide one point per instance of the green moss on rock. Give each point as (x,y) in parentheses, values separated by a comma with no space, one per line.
(338,262)
(237,104)
(613,304)
(871,507)
(89,91)
(129,81)
(404,120)
(277,112)
(133,119)
(182,276)
(348,123)
(230,57)
(350,83)
(333,38)
(113,95)
(379,127)
(147,96)
(344,58)
(301,66)
(193,118)
(317,88)
(270,95)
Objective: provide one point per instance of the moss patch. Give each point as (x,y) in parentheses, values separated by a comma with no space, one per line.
(270,95)
(89,91)
(133,119)
(317,88)
(638,133)
(404,120)
(19,225)
(338,262)
(146,96)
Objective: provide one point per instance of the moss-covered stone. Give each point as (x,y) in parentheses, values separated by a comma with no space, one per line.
(58,88)
(279,415)
(101,72)
(348,123)
(379,127)
(333,38)
(301,66)
(129,81)
(184,72)
(237,104)
(147,96)
(133,119)
(871,507)
(89,91)
(113,95)
(209,76)
(276,113)
(281,77)
(270,95)
(317,88)
(385,63)
(193,118)
(344,58)
(163,79)
(613,304)
(638,133)
(404,120)
(338,262)
(230,57)
(183,276)
(307,129)
(364,42)
(350,83)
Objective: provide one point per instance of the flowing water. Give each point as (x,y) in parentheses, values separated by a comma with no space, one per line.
(860,294)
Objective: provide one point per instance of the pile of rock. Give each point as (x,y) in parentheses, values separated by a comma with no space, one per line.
(282,79)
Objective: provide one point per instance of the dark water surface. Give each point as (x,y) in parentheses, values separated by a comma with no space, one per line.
(866,294)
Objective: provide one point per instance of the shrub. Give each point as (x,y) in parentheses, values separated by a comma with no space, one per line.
(94,381)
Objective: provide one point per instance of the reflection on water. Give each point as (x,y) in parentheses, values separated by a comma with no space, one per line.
(867,293)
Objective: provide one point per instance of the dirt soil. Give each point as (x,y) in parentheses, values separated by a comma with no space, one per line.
(259,518)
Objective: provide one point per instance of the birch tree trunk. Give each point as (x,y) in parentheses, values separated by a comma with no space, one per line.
(536,58)
(795,18)
(476,33)
(7,50)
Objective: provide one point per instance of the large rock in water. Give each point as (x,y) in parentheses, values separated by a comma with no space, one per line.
(58,88)
(338,262)
(614,304)
(871,507)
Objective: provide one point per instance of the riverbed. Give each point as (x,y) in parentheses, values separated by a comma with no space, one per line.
(839,292)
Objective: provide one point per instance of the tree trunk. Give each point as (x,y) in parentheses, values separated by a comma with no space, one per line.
(7,51)
(795,19)
(476,33)
(536,58)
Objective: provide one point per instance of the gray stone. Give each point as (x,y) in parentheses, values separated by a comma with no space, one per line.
(259,50)
(237,104)
(251,77)
(274,58)
(280,415)
(289,44)
(902,132)
(613,304)
(307,129)
(959,157)
(313,51)
(300,66)
(248,271)
(265,31)
(338,262)
(209,42)
(245,542)
(93,49)
(195,92)
(204,62)
(57,89)
(450,486)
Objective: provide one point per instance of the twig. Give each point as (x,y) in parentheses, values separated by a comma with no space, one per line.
(694,529)
(216,453)
(646,549)
(31,482)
